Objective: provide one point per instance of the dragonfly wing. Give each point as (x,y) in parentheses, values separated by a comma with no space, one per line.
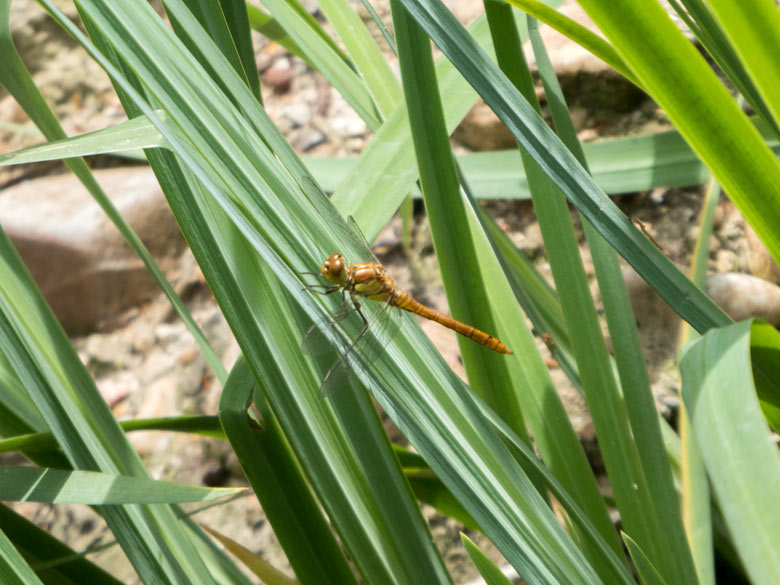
(344,231)
(364,242)
(381,328)
(337,376)
(315,342)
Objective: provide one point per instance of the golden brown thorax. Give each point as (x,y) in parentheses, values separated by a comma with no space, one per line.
(367,279)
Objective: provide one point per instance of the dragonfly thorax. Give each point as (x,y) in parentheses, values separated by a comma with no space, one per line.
(334,269)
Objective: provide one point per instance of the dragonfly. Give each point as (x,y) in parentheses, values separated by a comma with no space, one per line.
(370,281)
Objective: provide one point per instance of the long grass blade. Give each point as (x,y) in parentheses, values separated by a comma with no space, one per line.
(556,161)
(653,520)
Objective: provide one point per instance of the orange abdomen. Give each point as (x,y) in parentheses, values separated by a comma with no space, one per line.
(406,302)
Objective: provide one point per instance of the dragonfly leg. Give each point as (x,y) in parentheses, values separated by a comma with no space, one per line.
(339,363)
(362,316)
(321,289)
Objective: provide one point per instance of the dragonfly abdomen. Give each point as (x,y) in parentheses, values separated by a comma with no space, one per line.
(405,301)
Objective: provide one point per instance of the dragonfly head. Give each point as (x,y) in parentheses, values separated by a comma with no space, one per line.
(334,269)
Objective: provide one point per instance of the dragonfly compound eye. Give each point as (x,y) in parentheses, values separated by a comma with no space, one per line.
(333,266)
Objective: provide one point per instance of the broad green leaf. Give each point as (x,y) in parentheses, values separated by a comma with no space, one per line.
(698,17)
(753,27)
(742,461)
(57,486)
(621,165)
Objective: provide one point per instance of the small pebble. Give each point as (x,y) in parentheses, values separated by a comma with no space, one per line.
(279,76)
(743,296)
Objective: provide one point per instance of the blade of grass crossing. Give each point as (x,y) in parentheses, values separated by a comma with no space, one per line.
(380,25)
(181,184)
(468,268)
(329,63)
(280,486)
(599,384)
(38,546)
(751,28)
(387,490)
(618,570)
(228,36)
(635,383)
(683,84)
(85,429)
(695,501)
(410,380)
(14,570)
(532,132)
(490,572)
(15,77)
(449,224)
(552,221)
(365,54)
(386,168)
(576,32)
(567,460)
(439,180)
(314,432)
(268,574)
(316,436)
(237,19)
(700,20)
(648,574)
(270,28)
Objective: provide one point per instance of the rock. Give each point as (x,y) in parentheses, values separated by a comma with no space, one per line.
(81,263)
(117,388)
(304,139)
(156,365)
(349,125)
(482,130)
(743,296)
(279,76)
(759,260)
(299,114)
(585,80)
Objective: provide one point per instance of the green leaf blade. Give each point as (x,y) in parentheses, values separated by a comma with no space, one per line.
(742,462)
